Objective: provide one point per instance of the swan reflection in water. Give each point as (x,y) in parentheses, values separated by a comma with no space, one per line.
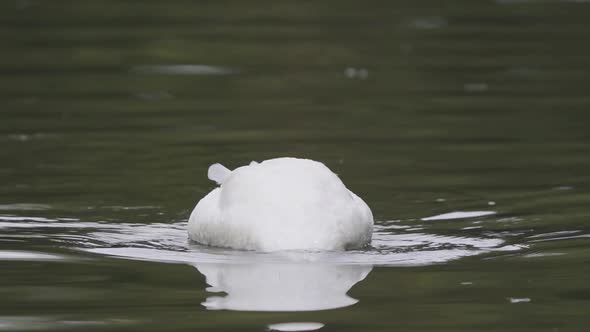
(291,286)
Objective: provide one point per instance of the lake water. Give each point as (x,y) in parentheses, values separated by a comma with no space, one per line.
(464,125)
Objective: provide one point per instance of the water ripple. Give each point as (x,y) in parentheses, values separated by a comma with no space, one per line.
(392,245)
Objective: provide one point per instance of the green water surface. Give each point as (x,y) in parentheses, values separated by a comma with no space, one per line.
(111,111)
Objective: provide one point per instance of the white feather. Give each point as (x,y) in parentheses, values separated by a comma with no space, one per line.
(281,204)
(218,173)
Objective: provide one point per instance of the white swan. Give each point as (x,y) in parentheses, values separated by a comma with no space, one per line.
(280,204)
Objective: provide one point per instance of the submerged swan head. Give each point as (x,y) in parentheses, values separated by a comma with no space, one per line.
(280,204)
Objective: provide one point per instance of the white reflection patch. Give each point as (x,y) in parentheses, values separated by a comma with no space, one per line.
(459,215)
(303,326)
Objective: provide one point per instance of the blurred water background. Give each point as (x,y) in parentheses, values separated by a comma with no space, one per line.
(463,124)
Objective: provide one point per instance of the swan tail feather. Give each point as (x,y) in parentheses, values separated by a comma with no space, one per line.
(218,173)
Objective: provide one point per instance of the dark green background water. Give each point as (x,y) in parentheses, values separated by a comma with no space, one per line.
(422,108)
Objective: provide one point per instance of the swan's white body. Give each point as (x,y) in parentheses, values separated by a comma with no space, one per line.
(280,204)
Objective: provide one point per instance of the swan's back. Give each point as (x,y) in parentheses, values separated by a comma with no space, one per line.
(282,204)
